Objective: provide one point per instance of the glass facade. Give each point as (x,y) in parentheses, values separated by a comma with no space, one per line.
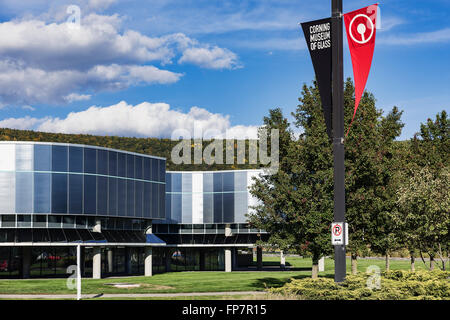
(48,178)
(208,197)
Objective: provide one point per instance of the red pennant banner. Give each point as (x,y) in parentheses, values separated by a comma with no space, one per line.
(360,26)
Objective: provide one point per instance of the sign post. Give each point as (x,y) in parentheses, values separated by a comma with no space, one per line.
(338,133)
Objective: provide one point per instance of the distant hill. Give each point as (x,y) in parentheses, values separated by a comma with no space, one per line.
(151,146)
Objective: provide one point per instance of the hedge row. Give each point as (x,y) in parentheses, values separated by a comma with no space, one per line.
(393,285)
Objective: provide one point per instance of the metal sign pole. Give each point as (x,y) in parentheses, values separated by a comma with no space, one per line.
(338,131)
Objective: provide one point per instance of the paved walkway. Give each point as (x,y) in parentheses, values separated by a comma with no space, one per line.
(128,295)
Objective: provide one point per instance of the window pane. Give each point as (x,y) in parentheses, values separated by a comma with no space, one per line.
(228,207)
(75,159)
(112,168)
(54,221)
(147,168)
(75,193)
(24,157)
(217,180)
(130,198)
(176,208)
(102,162)
(59,158)
(162,170)
(121,164)
(138,196)
(162,203)
(42,192)
(42,156)
(155,203)
(176,182)
(208,216)
(218,208)
(147,199)
(130,166)
(59,193)
(112,201)
(24,192)
(24,221)
(228,181)
(39,221)
(121,197)
(90,160)
(102,195)
(155,170)
(138,167)
(90,194)
(208,185)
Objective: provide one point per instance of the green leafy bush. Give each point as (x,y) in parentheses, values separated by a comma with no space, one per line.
(394,285)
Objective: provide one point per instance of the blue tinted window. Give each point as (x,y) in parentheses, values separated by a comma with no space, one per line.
(24,192)
(162,202)
(122,164)
(130,198)
(217,180)
(59,158)
(208,214)
(102,162)
(155,170)
(208,185)
(112,163)
(138,167)
(147,200)
(228,181)
(102,195)
(130,166)
(59,193)
(176,182)
(168,182)
(90,194)
(75,193)
(42,192)
(138,196)
(121,197)
(162,170)
(218,215)
(112,190)
(240,207)
(147,168)
(42,157)
(176,207)
(155,203)
(186,209)
(168,206)
(228,207)
(90,160)
(75,159)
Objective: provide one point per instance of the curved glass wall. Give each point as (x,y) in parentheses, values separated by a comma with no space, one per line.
(53,178)
(209,197)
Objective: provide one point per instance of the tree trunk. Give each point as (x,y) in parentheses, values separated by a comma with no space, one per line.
(354,264)
(315,270)
(431,263)
(413,266)
(388,265)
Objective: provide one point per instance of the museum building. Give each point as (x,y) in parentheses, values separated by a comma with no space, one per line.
(126,212)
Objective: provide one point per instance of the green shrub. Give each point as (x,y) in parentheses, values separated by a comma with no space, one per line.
(394,285)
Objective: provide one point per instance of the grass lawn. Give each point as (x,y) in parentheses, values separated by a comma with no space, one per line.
(176,282)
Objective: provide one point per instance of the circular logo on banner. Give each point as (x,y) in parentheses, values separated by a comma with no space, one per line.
(337,230)
(361,28)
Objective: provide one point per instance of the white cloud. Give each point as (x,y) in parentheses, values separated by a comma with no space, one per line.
(55,62)
(438,36)
(211,58)
(142,120)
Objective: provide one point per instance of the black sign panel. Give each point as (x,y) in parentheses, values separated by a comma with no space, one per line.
(318,38)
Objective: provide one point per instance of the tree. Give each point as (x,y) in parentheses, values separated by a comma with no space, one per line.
(424,201)
(369,165)
(296,203)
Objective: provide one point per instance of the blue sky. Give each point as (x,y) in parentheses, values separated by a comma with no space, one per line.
(147,68)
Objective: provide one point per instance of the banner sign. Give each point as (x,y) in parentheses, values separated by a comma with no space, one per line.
(318,38)
(360,26)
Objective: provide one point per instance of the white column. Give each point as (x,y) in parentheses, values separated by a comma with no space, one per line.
(97,263)
(110,260)
(282,260)
(228,260)
(148,261)
(322,264)
(228,232)
(98,226)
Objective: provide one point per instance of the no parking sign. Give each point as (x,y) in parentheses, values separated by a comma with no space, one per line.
(339,234)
